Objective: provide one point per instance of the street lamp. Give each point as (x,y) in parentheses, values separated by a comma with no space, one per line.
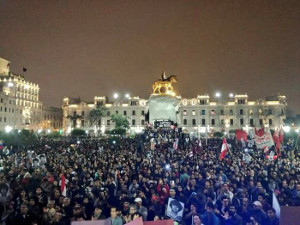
(116,95)
(8,129)
(218,94)
(127,95)
(286,129)
(231,95)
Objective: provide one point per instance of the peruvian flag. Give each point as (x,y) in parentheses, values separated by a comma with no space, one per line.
(63,187)
(241,135)
(276,139)
(224,149)
(175,144)
(199,147)
(260,132)
(281,135)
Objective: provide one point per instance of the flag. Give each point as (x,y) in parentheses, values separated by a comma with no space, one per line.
(241,134)
(175,144)
(281,135)
(260,132)
(276,205)
(224,149)
(24,69)
(63,187)
(199,147)
(276,140)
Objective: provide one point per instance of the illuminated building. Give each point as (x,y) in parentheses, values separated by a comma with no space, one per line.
(200,115)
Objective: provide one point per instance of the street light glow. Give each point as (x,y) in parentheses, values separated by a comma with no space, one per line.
(8,129)
(10,84)
(218,94)
(286,129)
(116,95)
(127,95)
(231,95)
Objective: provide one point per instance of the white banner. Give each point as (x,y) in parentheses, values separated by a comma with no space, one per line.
(266,140)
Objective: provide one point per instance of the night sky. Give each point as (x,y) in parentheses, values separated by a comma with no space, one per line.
(88,48)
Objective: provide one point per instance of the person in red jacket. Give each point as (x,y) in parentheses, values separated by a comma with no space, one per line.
(163,191)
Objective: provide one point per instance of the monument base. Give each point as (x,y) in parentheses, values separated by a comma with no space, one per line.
(163,107)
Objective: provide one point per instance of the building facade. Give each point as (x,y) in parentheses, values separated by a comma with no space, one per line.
(201,114)
(20,107)
(52,119)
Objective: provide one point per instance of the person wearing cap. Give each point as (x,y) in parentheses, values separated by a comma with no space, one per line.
(258,213)
(209,217)
(141,209)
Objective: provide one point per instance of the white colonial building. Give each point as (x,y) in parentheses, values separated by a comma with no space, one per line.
(20,107)
(200,114)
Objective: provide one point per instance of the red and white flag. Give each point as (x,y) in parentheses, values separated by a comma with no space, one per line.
(175,144)
(63,187)
(224,149)
(281,135)
(241,135)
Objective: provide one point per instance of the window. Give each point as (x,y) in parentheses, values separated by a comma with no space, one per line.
(251,122)
(133,112)
(0,119)
(241,101)
(230,112)
(194,113)
(222,112)
(242,121)
(82,113)
(260,121)
(143,113)
(125,113)
(108,122)
(270,121)
(117,112)
(143,122)
(133,122)
(4,119)
(194,122)
(231,121)
(270,112)
(202,102)
(82,123)
(184,121)
(203,112)
(1,100)
(241,112)
(74,114)
(99,122)
(132,103)
(222,122)
(213,113)
(213,122)
(5,109)
(108,114)
(184,112)
(203,122)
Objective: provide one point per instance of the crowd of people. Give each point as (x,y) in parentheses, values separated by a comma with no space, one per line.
(125,178)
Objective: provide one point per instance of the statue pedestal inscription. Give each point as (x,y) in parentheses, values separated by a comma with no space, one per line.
(163,107)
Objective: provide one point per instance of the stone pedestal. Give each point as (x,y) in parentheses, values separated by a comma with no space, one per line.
(163,107)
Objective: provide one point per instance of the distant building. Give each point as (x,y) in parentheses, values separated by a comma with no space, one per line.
(52,118)
(20,107)
(199,115)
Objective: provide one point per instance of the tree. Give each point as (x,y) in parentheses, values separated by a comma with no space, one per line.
(120,121)
(73,119)
(78,132)
(96,115)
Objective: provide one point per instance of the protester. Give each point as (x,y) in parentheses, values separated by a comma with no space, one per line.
(136,177)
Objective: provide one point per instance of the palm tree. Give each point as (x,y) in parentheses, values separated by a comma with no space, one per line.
(96,115)
(73,119)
